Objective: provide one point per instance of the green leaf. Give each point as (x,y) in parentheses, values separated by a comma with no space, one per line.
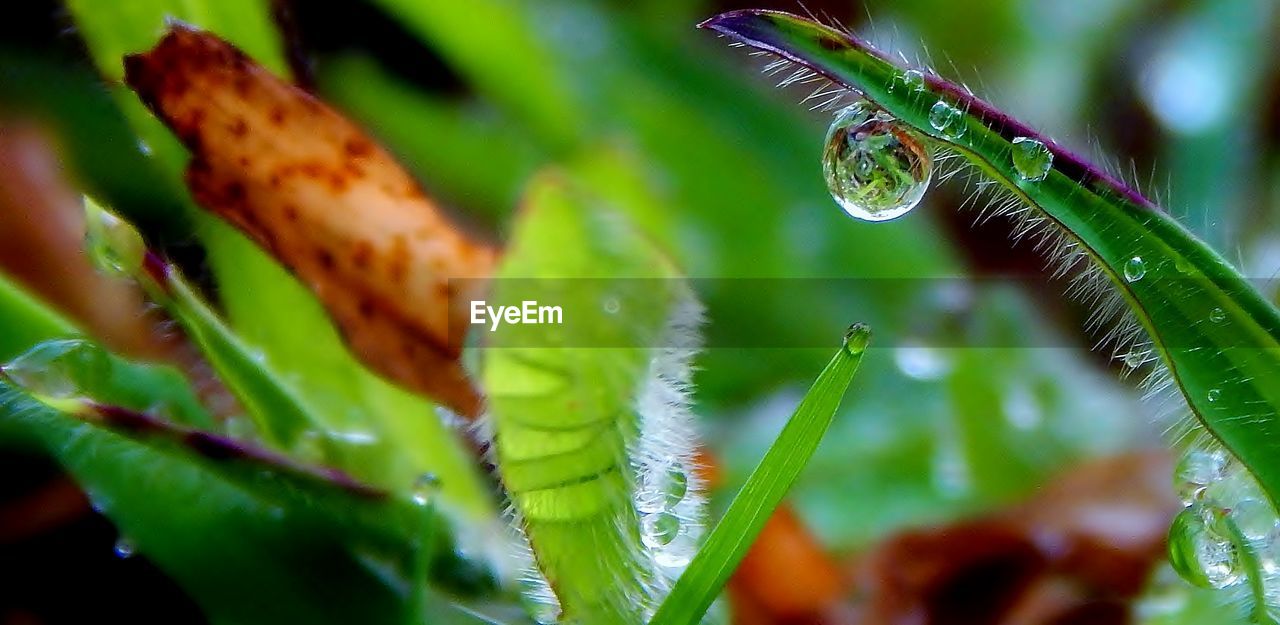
(503,58)
(253,539)
(26,321)
(565,398)
(1215,333)
(764,490)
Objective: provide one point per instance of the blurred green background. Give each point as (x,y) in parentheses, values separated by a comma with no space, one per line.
(980,390)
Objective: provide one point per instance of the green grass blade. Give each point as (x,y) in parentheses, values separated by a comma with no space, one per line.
(1215,333)
(764,490)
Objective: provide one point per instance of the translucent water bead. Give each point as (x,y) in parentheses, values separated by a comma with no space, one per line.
(876,168)
(1201,549)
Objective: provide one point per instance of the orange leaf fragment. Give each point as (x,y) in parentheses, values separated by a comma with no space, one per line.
(327,202)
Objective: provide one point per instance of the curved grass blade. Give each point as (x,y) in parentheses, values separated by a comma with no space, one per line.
(588,414)
(249,534)
(1217,336)
(764,490)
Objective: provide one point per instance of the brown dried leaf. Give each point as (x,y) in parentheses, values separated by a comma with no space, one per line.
(1077,552)
(327,202)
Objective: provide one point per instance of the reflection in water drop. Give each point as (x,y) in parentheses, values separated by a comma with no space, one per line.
(1135,269)
(657,530)
(857,338)
(425,488)
(60,369)
(1200,548)
(876,168)
(1031,159)
(1217,315)
(1254,518)
(909,81)
(1214,395)
(124,547)
(112,244)
(946,119)
(1196,470)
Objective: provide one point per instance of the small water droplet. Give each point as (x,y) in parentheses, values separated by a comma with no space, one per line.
(876,168)
(660,489)
(946,119)
(1134,358)
(1254,518)
(611,305)
(144,147)
(310,447)
(1135,269)
(124,547)
(113,244)
(910,80)
(425,488)
(1031,158)
(60,369)
(1217,315)
(677,487)
(1196,470)
(676,553)
(857,338)
(657,530)
(1214,395)
(1200,549)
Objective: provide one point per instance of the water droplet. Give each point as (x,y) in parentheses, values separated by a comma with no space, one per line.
(1031,158)
(1213,395)
(1134,269)
(946,119)
(857,338)
(1200,549)
(60,369)
(1254,518)
(1217,315)
(144,147)
(876,168)
(660,489)
(310,447)
(677,552)
(113,244)
(677,487)
(657,530)
(1134,358)
(124,547)
(910,80)
(611,305)
(1196,470)
(425,488)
